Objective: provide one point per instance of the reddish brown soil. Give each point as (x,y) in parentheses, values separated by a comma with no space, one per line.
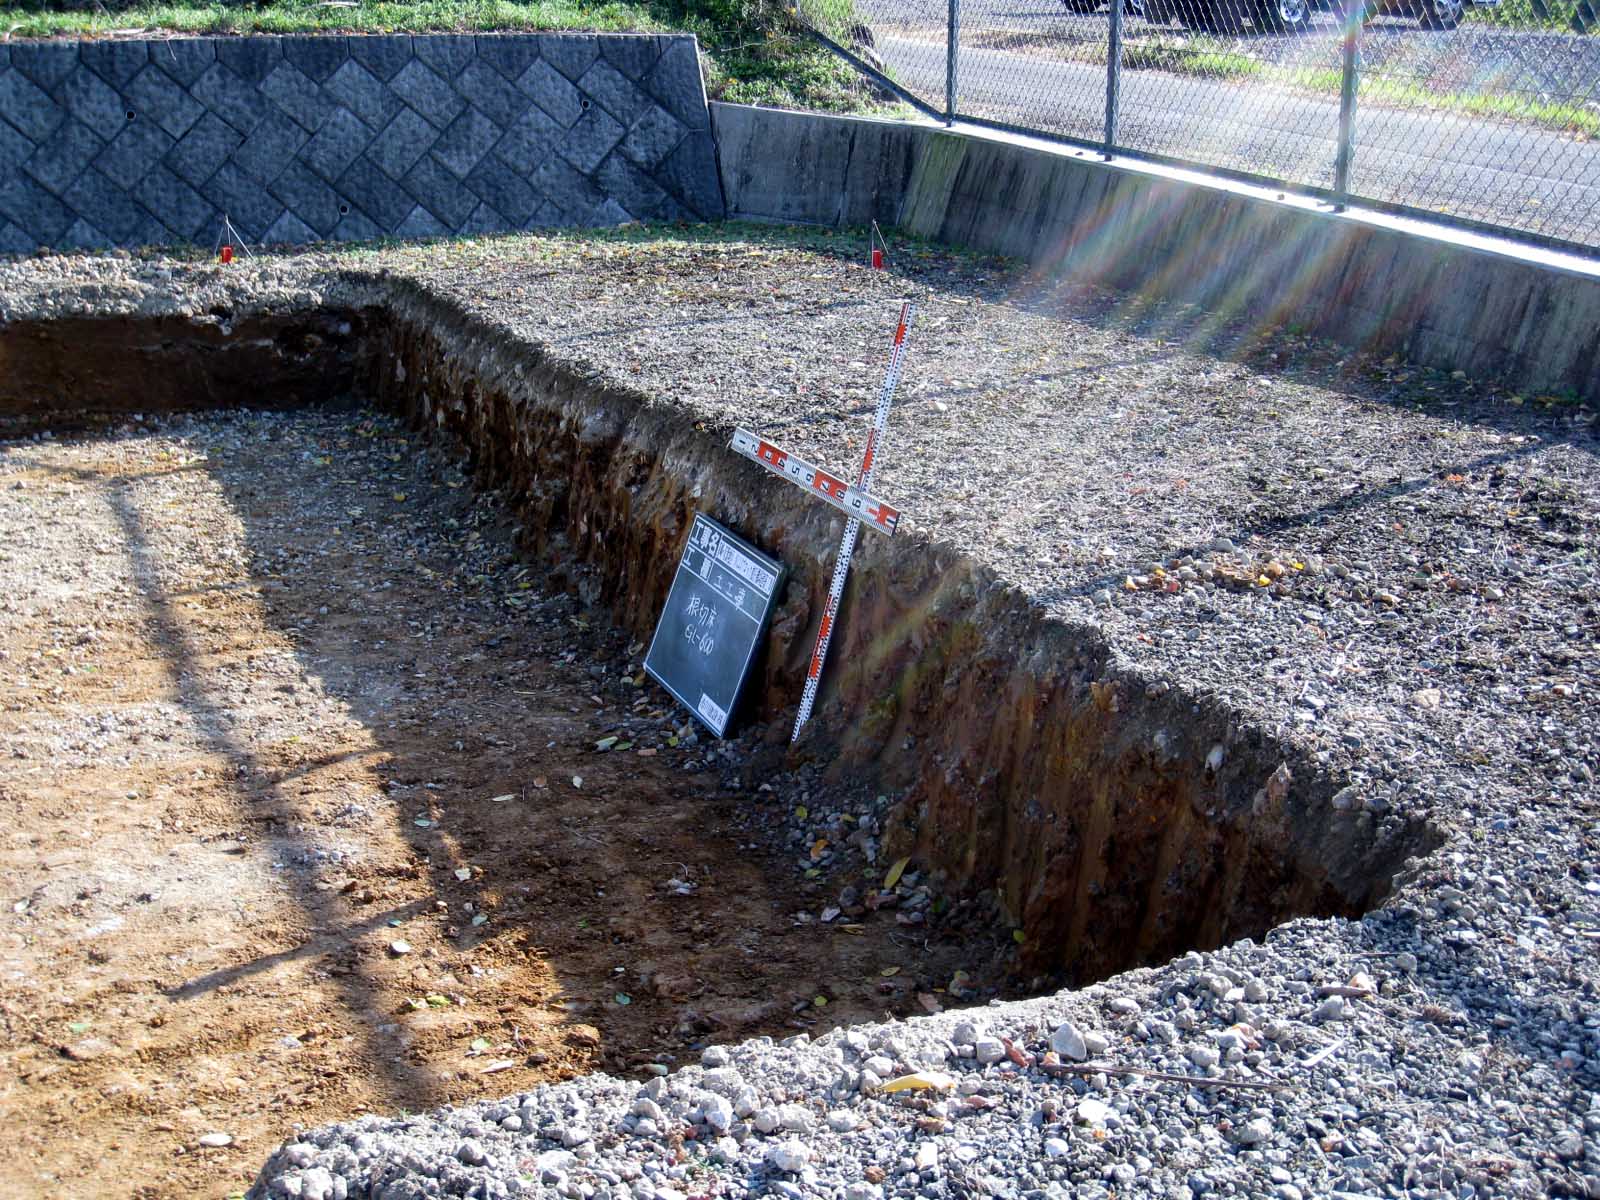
(240,660)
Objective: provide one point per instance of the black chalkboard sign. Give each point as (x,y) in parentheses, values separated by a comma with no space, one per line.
(711,627)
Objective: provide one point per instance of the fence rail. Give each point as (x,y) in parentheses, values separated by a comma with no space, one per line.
(1487,115)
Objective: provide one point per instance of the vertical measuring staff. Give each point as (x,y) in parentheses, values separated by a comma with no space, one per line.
(847,546)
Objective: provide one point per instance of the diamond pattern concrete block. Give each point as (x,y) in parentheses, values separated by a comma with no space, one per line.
(571,54)
(182,209)
(81,235)
(45,63)
(27,107)
(15,240)
(252,59)
(504,190)
(139,146)
(297,94)
(336,145)
(379,196)
(553,92)
(364,94)
(653,136)
(418,135)
(308,196)
(440,192)
(427,93)
(591,139)
(38,212)
(108,201)
(289,230)
(398,147)
(614,92)
(155,97)
(238,103)
(150,232)
(633,189)
(268,150)
(509,53)
(632,54)
(61,159)
(569,190)
(247,204)
(530,141)
(547,216)
(317,58)
(383,56)
(202,150)
(184,59)
(420,223)
(14,148)
(690,173)
(91,100)
(485,220)
(675,82)
(115,61)
(446,54)
(356,227)
(491,93)
(463,145)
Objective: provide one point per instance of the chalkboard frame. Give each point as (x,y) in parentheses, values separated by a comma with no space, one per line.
(701,530)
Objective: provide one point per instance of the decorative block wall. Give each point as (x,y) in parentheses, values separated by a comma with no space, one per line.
(296,139)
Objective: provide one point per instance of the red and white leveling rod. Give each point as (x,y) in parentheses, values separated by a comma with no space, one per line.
(856,502)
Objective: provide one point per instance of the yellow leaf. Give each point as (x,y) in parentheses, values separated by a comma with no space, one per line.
(921,1081)
(899,869)
(817,847)
(801,812)
(888,971)
(820,1001)
(1018,936)
(400,496)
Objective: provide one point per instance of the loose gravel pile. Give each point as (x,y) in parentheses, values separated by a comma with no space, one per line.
(1392,568)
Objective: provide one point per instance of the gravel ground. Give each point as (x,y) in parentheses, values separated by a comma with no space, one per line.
(1393,568)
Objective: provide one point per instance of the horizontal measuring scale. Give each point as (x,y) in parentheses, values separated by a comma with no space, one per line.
(851,501)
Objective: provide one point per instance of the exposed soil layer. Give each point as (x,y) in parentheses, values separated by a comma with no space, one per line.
(1118,822)
(281,701)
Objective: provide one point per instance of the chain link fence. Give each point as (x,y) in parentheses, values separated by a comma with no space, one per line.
(1483,113)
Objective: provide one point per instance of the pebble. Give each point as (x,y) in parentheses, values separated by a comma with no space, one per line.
(718,1114)
(471,1152)
(842,1120)
(214,1140)
(790,1154)
(1056,1148)
(1068,1042)
(988,1050)
(1255,1131)
(715,1056)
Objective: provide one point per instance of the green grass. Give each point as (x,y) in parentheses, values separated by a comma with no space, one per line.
(754,53)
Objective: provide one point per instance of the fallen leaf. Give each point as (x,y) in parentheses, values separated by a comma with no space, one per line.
(504,1064)
(577,781)
(480,918)
(624,999)
(463,873)
(502,799)
(897,870)
(888,971)
(920,1081)
(817,847)
(435,1000)
(606,743)
(801,812)
(480,1044)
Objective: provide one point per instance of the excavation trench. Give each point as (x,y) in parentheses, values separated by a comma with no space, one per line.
(1117,820)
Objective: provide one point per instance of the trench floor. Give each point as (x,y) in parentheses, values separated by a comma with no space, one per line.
(304,816)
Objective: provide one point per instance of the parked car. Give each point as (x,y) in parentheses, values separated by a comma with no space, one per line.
(1277,16)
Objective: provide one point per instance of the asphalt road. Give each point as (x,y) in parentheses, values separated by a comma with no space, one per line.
(1494,170)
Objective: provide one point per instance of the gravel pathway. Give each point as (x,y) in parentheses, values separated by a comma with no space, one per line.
(1393,568)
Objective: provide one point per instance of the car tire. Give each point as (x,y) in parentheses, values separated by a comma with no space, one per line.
(1282,16)
(1441,14)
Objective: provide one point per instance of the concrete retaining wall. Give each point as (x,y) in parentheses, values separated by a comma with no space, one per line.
(1378,283)
(303,138)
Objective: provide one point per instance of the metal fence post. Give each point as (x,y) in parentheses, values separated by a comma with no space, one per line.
(952,51)
(1113,76)
(1347,106)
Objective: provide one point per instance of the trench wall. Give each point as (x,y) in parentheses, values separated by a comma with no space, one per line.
(1119,822)
(299,139)
(1246,254)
